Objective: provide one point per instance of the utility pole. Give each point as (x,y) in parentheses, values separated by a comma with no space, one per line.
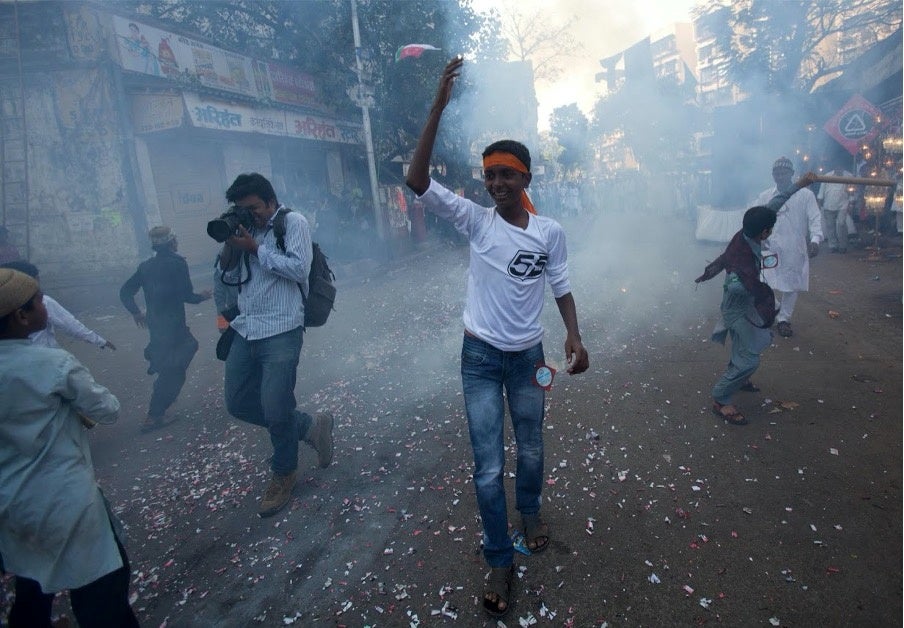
(368,139)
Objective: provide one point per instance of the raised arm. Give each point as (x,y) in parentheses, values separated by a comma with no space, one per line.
(418,178)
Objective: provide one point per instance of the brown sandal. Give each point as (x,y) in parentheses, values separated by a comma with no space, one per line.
(498,591)
(729,413)
(536,533)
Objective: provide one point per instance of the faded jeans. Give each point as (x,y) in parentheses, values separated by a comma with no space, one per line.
(747,340)
(260,389)
(747,344)
(485,373)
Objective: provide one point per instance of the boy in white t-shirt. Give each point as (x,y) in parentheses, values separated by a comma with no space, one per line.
(514,253)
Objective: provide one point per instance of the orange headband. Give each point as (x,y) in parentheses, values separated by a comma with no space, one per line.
(504,159)
(507,159)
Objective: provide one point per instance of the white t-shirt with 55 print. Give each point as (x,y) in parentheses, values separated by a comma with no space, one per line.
(508,270)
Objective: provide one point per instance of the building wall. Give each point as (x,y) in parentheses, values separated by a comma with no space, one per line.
(79,216)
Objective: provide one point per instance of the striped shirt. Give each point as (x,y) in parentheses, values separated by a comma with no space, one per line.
(270,303)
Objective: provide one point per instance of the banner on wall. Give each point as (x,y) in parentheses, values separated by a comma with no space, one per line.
(153,51)
(157,52)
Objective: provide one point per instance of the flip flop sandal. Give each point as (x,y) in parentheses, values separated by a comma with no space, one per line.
(734,418)
(499,584)
(536,533)
(750,387)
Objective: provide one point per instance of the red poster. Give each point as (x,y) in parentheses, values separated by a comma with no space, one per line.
(855,124)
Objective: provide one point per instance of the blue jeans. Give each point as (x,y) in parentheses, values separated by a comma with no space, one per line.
(485,373)
(260,389)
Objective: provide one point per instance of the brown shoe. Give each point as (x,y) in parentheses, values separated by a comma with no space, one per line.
(278,494)
(320,437)
(151,423)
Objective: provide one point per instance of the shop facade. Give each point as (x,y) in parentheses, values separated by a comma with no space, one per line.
(123,125)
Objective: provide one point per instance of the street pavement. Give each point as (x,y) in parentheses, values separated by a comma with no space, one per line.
(660,513)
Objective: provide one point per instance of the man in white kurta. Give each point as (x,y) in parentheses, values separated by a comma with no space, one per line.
(795,239)
(55,531)
(58,317)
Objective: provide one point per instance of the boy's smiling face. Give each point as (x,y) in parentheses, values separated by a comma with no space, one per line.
(505,185)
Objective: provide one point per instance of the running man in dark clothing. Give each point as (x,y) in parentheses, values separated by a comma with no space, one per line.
(167,288)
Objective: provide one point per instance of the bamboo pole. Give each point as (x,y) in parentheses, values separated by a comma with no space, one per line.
(824,178)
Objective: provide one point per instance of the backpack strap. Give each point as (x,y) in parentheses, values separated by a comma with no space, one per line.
(279,232)
(279,227)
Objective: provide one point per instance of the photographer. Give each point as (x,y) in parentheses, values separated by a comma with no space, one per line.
(263,359)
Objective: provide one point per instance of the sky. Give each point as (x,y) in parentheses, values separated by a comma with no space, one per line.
(604,27)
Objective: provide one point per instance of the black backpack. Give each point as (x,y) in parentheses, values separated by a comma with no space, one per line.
(321,292)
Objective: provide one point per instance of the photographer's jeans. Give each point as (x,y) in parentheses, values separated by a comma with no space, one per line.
(260,389)
(485,373)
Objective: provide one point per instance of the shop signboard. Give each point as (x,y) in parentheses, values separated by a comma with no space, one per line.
(318,128)
(213,114)
(290,86)
(156,112)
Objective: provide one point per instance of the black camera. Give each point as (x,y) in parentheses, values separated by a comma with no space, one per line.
(227,225)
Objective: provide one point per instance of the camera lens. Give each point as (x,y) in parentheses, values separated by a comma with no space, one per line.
(220,229)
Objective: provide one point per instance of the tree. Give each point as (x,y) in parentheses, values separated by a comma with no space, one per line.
(569,126)
(791,45)
(404,90)
(534,36)
(654,120)
(549,153)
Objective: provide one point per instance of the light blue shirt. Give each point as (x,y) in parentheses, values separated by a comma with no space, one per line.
(270,303)
(54,527)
